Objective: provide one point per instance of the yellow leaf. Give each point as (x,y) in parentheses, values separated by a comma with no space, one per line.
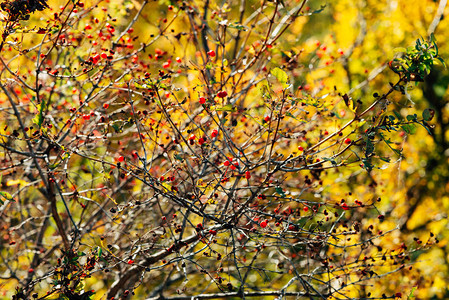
(20,182)
(137,5)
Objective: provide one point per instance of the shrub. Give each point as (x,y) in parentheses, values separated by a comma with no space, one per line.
(193,157)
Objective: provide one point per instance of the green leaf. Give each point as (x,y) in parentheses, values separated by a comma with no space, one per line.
(434,42)
(80,287)
(367,165)
(99,252)
(302,222)
(140,86)
(6,196)
(331,160)
(398,115)
(432,38)
(281,76)
(317,11)
(237,26)
(428,114)
(116,127)
(409,128)
(385,159)
(39,118)
(227,107)
(178,157)
(369,147)
(55,165)
(411,117)
(289,114)
(411,293)
(280,191)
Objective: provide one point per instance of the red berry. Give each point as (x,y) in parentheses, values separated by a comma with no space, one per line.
(211,53)
(202,100)
(264,223)
(105,106)
(159,51)
(300,148)
(130,262)
(222,94)
(214,133)
(348,141)
(121,159)
(247,175)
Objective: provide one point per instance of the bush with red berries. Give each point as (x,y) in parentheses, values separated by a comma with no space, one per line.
(180,150)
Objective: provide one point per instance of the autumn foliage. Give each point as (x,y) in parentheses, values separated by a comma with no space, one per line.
(210,149)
